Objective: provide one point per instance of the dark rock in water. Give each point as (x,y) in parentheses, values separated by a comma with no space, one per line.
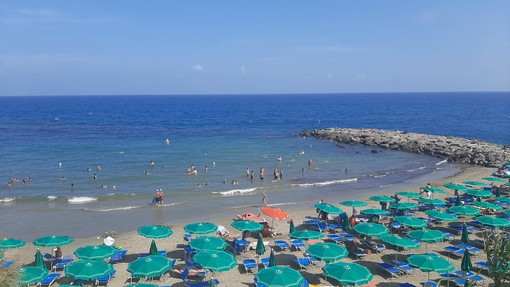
(460,150)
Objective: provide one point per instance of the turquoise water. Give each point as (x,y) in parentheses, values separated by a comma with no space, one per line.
(55,140)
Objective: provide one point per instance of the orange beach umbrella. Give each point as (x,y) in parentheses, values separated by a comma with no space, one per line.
(275,212)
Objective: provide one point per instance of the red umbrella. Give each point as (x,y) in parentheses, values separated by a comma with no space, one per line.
(274,212)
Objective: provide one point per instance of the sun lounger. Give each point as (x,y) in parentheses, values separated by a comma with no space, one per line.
(428,284)
(240,246)
(313,260)
(335,237)
(60,265)
(104,280)
(187,236)
(454,250)
(348,237)
(192,272)
(302,262)
(160,252)
(447,235)
(477,280)
(222,231)
(184,277)
(392,270)
(6,264)
(189,252)
(482,264)
(335,227)
(404,267)
(118,256)
(297,244)
(472,250)
(264,261)
(357,253)
(282,244)
(249,265)
(406,285)
(49,280)
(311,221)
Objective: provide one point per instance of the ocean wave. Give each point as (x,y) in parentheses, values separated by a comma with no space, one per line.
(235,191)
(7,199)
(441,162)
(51,197)
(81,199)
(415,169)
(282,203)
(113,209)
(323,183)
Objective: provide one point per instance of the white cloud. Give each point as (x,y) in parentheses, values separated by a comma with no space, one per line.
(198,68)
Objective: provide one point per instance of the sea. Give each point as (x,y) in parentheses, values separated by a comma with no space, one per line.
(81,165)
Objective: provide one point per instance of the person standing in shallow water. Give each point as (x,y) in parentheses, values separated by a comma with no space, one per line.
(261,173)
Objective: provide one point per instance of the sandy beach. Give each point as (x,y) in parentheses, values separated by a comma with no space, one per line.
(136,244)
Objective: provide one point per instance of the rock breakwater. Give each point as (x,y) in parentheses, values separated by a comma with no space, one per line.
(454,149)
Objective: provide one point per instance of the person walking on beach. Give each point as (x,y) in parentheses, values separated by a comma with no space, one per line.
(264,199)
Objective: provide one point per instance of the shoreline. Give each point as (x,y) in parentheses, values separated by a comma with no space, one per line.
(135,243)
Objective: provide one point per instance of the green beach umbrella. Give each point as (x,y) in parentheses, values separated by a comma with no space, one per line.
(348,273)
(403,206)
(292,228)
(215,260)
(428,263)
(306,234)
(94,252)
(443,216)
(88,269)
(464,210)
(53,240)
(507,184)
(382,198)
(375,211)
(455,186)
(280,276)
(484,204)
(371,229)
(272,259)
(200,228)
(493,221)
(353,203)
(427,235)
(431,201)
(409,194)
(328,208)
(472,182)
(155,231)
(39,260)
(247,225)
(327,251)
(7,243)
(399,241)
(260,249)
(464,237)
(503,199)
(496,179)
(410,221)
(466,264)
(29,275)
(434,190)
(208,243)
(153,250)
(152,265)
(506,212)
(479,193)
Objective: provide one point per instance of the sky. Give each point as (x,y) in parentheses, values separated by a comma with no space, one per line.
(126,47)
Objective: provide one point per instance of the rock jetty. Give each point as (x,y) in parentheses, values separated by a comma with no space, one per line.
(453,149)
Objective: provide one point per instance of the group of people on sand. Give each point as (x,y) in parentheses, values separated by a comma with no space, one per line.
(158,197)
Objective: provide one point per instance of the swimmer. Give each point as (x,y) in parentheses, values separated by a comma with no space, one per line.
(279,158)
(152,163)
(60,164)
(62,178)
(302,152)
(167,141)
(214,163)
(114,187)
(99,168)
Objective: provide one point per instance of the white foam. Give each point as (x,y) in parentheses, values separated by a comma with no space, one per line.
(282,203)
(51,197)
(114,209)
(235,191)
(330,182)
(81,199)
(7,199)
(415,169)
(441,162)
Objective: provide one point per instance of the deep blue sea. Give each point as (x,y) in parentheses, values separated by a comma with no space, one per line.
(56,144)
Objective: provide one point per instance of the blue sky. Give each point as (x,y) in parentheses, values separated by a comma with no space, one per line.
(244,47)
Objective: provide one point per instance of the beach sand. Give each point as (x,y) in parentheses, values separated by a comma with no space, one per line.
(136,244)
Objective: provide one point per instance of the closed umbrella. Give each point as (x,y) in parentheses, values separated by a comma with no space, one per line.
(464,238)
(155,231)
(493,221)
(29,275)
(443,216)
(428,263)
(247,225)
(39,260)
(200,228)
(479,193)
(208,243)
(94,252)
(327,251)
(88,269)
(152,265)
(466,264)
(153,250)
(488,205)
(292,228)
(280,276)
(306,234)
(272,259)
(410,221)
(260,249)
(350,274)
(328,208)
(371,229)
(214,260)
(53,240)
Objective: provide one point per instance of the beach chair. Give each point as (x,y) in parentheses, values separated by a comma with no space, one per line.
(335,227)
(160,252)
(447,235)
(6,264)
(49,280)
(404,267)
(297,244)
(264,261)
(390,269)
(118,256)
(477,280)
(335,237)
(312,221)
(302,262)
(313,260)
(184,277)
(60,265)
(240,246)
(482,265)
(105,280)
(358,253)
(187,237)
(406,285)
(282,244)
(348,237)
(249,265)
(454,250)
(189,252)
(472,250)
(222,231)
(428,284)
